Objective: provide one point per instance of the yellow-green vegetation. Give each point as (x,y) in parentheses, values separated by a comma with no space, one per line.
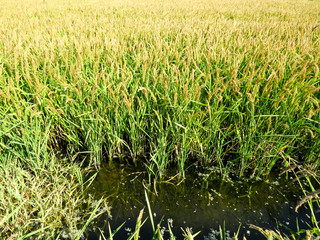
(231,83)
(234,83)
(43,203)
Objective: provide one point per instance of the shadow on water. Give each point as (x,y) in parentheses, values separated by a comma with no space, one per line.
(202,205)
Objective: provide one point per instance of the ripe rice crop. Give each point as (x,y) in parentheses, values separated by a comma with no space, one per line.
(227,83)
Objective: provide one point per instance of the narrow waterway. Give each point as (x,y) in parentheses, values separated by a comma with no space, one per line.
(202,202)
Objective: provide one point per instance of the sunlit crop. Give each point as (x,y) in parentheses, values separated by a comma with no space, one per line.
(232,83)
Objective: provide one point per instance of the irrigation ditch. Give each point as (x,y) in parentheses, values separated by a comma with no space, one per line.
(204,202)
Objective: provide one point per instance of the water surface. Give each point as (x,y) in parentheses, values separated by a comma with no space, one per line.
(202,202)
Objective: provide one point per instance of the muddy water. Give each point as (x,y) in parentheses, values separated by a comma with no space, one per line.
(202,202)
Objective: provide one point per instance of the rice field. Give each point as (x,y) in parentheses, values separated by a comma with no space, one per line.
(232,84)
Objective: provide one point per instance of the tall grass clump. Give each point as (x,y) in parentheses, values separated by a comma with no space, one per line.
(41,193)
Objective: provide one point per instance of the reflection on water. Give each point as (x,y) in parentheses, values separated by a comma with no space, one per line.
(198,204)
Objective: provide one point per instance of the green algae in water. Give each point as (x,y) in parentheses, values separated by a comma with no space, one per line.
(202,202)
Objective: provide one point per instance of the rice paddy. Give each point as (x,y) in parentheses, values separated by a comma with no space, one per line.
(173,86)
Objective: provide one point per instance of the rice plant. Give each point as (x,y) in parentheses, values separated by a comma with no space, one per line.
(203,82)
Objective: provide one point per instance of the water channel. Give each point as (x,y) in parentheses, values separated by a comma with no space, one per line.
(202,202)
